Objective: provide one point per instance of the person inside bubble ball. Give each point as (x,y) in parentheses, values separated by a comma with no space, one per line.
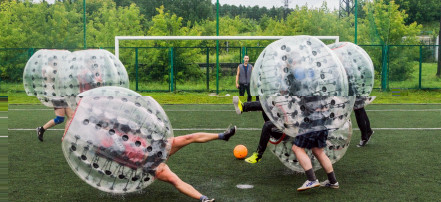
(163,172)
(363,123)
(269,130)
(60,113)
(316,142)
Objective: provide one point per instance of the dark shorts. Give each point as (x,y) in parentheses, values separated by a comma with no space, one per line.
(312,139)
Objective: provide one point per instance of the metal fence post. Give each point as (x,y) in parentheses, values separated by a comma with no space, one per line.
(208,69)
(243,54)
(384,68)
(217,67)
(136,67)
(240,55)
(30,52)
(421,61)
(171,69)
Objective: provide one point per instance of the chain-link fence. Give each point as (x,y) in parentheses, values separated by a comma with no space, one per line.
(169,69)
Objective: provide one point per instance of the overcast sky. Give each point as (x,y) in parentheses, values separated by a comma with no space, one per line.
(332,4)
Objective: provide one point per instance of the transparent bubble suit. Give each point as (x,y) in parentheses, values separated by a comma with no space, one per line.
(114,91)
(115,143)
(298,115)
(336,146)
(56,77)
(358,66)
(41,75)
(89,69)
(298,66)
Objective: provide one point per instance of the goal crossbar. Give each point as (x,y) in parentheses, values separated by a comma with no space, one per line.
(119,38)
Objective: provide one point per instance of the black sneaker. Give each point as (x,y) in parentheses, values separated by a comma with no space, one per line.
(208,200)
(369,137)
(362,143)
(229,132)
(40,132)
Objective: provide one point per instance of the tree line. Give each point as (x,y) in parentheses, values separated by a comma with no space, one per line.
(60,25)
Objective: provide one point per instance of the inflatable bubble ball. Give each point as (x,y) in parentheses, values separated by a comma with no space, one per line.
(115,143)
(41,75)
(88,69)
(337,144)
(358,65)
(298,66)
(298,115)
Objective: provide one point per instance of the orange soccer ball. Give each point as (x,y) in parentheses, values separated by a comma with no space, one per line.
(240,151)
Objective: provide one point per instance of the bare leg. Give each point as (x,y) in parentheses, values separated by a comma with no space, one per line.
(69,114)
(51,123)
(323,159)
(164,173)
(181,141)
(302,157)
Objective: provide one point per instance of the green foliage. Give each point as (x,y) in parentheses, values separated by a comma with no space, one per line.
(34,25)
(108,21)
(385,25)
(60,25)
(421,11)
(157,62)
(189,10)
(305,21)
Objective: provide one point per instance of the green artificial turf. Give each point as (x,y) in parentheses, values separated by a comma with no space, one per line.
(400,163)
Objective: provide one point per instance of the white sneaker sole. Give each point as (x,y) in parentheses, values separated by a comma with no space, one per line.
(236,104)
(306,188)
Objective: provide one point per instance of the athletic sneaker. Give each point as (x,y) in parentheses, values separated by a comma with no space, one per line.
(369,136)
(208,200)
(238,105)
(364,142)
(253,158)
(326,183)
(229,132)
(40,132)
(308,185)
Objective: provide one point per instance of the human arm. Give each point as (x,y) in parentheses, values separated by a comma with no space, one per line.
(237,76)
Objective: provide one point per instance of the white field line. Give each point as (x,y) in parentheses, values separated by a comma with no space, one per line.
(3,117)
(225,110)
(249,129)
(221,129)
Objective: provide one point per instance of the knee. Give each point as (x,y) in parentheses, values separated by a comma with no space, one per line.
(189,137)
(317,152)
(295,148)
(268,125)
(59,119)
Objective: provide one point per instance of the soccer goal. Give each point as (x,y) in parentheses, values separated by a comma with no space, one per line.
(219,38)
(120,38)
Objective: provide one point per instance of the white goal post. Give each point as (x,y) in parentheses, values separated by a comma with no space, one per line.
(119,38)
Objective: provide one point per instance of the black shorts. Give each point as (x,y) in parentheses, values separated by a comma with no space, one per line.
(312,139)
